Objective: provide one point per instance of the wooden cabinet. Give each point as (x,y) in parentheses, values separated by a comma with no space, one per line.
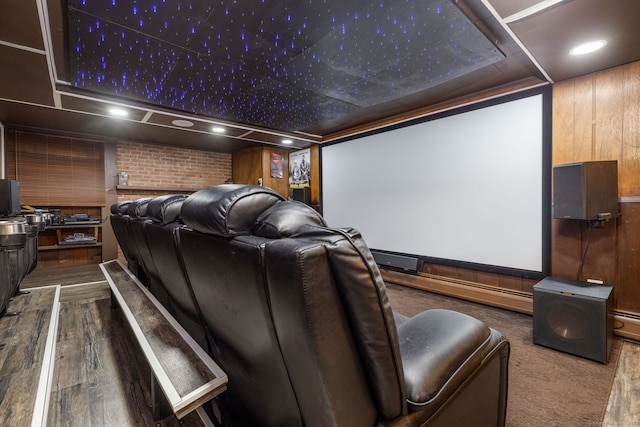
(55,249)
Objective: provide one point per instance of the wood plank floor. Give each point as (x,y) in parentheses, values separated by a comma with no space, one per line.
(69,275)
(623,408)
(21,359)
(99,376)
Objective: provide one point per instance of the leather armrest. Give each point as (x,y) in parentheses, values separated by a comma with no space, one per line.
(439,349)
(399,318)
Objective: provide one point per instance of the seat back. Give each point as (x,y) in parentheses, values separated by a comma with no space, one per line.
(162,235)
(329,304)
(286,326)
(147,272)
(119,222)
(224,268)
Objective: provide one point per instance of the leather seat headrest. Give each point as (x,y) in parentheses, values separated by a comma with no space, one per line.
(228,209)
(285,218)
(120,208)
(166,209)
(138,208)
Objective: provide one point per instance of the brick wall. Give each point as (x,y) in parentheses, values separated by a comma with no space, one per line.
(158,166)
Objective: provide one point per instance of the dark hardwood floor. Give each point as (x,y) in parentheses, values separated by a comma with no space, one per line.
(98,378)
(22,357)
(623,408)
(64,276)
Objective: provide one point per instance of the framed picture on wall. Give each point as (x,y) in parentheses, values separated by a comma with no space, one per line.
(277,165)
(300,168)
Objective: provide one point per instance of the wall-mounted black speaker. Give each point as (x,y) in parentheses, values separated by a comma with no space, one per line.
(302,194)
(585,190)
(402,262)
(9,197)
(574,317)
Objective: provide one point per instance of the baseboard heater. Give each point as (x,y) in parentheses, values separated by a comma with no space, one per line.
(405,263)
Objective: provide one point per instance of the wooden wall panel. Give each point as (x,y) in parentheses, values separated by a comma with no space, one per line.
(281,185)
(627,293)
(629,171)
(581,136)
(47,259)
(315,178)
(609,114)
(247,166)
(563,122)
(253,163)
(565,248)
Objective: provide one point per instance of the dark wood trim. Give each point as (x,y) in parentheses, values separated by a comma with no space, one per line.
(187,376)
(122,188)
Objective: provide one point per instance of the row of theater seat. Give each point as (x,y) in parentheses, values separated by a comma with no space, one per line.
(146,230)
(296,314)
(18,254)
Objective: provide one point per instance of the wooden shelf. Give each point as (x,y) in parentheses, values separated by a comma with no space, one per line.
(59,247)
(146,188)
(78,225)
(52,235)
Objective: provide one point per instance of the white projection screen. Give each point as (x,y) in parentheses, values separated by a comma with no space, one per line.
(468,186)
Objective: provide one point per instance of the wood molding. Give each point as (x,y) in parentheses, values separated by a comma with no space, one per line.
(159,188)
(521,302)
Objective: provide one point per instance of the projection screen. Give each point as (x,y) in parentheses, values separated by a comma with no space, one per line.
(468,186)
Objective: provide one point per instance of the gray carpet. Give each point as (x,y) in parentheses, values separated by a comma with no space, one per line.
(546,387)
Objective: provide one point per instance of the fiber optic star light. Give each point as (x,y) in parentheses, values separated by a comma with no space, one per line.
(284,64)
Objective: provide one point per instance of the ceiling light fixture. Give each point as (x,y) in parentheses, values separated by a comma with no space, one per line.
(218,129)
(287,141)
(118,112)
(588,47)
(182,123)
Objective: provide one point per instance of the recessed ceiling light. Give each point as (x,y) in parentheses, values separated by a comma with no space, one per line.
(119,112)
(287,141)
(182,123)
(588,47)
(218,129)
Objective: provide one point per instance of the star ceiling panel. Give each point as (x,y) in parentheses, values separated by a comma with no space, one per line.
(279,64)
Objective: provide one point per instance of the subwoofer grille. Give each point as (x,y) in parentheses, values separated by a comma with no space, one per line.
(573,317)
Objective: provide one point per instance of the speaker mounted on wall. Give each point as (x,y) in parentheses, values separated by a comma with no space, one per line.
(574,317)
(9,197)
(586,190)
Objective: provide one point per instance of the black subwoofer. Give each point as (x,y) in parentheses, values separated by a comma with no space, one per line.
(302,194)
(574,317)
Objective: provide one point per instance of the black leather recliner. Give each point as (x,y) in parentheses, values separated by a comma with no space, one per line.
(119,222)
(161,233)
(147,271)
(298,317)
